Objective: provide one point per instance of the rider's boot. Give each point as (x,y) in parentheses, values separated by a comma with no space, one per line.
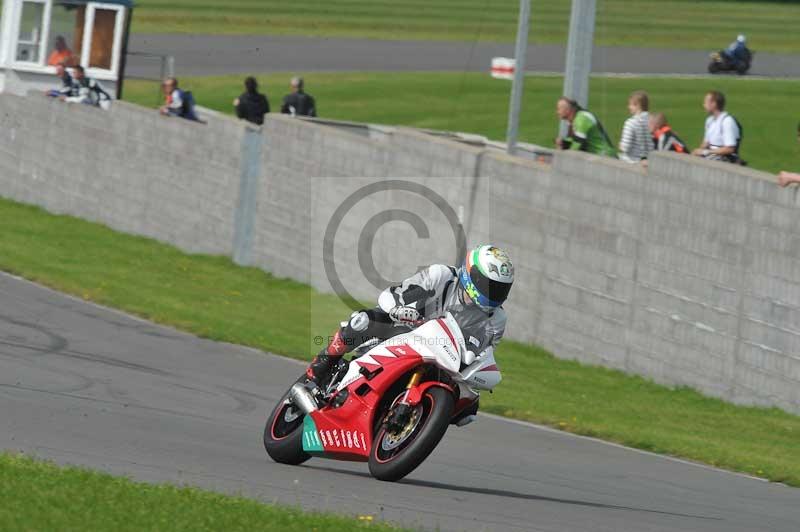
(321,366)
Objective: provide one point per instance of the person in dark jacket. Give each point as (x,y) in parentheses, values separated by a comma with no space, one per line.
(251,105)
(298,103)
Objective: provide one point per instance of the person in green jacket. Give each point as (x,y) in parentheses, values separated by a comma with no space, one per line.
(586,133)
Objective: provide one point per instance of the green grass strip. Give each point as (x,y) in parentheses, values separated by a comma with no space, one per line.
(476,103)
(214,298)
(38,495)
(698,24)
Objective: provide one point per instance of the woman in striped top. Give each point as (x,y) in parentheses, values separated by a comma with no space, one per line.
(636,141)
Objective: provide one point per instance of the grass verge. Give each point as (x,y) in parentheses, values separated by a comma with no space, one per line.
(699,24)
(38,495)
(212,297)
(476,103)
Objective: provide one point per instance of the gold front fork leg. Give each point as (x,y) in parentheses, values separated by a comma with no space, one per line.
(415,378)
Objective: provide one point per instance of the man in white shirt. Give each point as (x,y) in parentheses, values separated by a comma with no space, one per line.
(722,134)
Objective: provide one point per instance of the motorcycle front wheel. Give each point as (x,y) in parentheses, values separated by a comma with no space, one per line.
(283,434)
(713,67)
(396,454)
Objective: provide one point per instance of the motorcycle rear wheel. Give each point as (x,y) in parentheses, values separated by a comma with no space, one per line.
(390,460)
(283,434)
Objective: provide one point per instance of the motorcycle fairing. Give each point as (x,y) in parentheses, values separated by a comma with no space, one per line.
(345,432)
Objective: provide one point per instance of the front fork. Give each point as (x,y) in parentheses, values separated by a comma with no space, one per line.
(401,411)
(412,383)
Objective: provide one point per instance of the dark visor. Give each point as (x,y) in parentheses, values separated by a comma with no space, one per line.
(494,290)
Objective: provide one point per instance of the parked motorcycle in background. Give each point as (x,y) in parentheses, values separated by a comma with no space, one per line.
(735,58)
(391,405)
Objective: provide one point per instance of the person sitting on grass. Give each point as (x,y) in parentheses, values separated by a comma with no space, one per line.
(586,133)
(664,139)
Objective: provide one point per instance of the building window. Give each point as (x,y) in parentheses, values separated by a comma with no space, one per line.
(74,33)
(31,32)
(66,33)
(105,23)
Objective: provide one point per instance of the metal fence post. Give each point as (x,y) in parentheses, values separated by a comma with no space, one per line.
(519,75)
(579,54)
(245,215)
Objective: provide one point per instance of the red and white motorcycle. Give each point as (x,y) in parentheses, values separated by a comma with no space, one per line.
(390,406)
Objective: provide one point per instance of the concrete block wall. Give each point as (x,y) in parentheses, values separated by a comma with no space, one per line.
(687,272)
(128,168)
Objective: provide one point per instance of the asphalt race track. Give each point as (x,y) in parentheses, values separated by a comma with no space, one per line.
(205,55)
(85,385)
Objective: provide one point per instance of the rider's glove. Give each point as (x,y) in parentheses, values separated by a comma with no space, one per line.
(404,314)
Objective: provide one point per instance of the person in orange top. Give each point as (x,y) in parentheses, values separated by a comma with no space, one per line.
(61,54)
(664,139)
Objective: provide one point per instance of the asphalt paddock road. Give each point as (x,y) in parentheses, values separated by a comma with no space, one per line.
(81,384)
(201,55)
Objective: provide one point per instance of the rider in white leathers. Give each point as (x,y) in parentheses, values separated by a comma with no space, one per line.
(483,279)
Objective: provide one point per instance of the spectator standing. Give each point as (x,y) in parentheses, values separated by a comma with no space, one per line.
(61,53)
(636,141)
(664,139)
(87,90)
(586,133)
(177,102)
(723,134)
(251,105)
(298,103)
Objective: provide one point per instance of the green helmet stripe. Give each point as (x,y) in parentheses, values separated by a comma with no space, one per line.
(475,261)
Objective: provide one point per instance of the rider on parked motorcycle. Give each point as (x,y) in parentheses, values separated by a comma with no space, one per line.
(484,279)
(736,52)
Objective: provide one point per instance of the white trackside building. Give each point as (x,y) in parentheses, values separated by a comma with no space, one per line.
(35,35)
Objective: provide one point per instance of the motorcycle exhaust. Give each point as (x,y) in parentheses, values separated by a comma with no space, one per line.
(302,397)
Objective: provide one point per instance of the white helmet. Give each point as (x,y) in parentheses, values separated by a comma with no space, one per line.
(741,38)
(486,276)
